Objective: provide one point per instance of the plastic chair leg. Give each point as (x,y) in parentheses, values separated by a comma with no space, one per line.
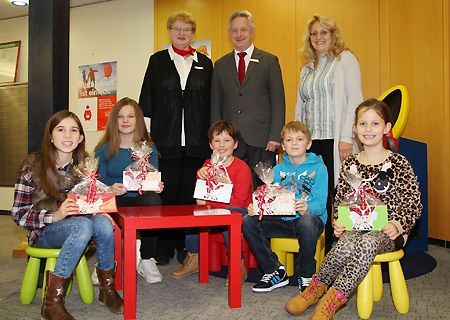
(85,287)
(364,298)
(399,290)
(377,281)
(290,264)
(30,280)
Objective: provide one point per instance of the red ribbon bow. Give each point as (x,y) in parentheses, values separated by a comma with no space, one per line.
(362,190)
(143,164)
(262,198)
(92,189)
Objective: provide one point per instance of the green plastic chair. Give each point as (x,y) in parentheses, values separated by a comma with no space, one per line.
(30,279)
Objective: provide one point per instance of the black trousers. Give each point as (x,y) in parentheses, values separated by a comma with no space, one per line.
(253,155)
(179,176)
(324,148)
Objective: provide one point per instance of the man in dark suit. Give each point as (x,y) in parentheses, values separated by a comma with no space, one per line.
(257,105)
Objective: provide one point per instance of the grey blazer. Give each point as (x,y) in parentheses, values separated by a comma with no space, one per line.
(257,107)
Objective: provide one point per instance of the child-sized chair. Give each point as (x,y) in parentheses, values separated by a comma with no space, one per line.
(371,287)
(285,248)
(30,279)
(218,256)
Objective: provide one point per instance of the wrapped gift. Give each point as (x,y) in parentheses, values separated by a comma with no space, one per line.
(92,195)
(217,186)
(141,175)
(361,209)
(270,199)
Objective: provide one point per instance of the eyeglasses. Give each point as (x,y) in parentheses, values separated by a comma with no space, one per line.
(323,33)
(178,29)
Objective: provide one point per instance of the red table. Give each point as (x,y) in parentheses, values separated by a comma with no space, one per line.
(131,219)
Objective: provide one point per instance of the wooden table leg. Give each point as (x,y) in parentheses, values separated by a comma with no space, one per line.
(234,267)
(129,269)
(204,255)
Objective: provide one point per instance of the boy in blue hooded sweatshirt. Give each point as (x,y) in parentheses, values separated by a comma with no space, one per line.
(306,174)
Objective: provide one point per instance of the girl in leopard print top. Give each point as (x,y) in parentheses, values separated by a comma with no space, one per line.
(390,177)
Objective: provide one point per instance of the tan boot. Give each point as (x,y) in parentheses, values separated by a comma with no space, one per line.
(108,296)
(308,298)
(190,266)
(328,306)
(54,298)
(243,273)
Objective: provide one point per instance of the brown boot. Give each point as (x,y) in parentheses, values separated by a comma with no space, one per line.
(108,296)
(328,305)
(190,266)
(54,298)
(308,298)
(243,273)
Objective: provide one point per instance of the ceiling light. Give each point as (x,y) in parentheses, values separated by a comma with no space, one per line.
(22,3)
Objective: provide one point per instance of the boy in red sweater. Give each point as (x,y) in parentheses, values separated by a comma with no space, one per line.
(223,139)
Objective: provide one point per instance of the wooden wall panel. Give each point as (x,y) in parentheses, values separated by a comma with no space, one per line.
(417,61)
(396,41)
(358,22)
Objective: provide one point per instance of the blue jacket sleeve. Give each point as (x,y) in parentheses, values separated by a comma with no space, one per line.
(317,204)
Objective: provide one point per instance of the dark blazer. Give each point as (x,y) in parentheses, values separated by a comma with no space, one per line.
(257,107)
(163,101)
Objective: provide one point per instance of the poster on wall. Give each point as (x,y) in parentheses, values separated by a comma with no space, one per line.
(202,46)
(9,59)
(97,94)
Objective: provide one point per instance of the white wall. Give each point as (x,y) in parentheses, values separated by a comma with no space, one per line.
(119,30)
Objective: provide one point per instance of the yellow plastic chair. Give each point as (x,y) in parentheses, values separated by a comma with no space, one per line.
(30,278)
(397,98)
(285,248)
(371,287)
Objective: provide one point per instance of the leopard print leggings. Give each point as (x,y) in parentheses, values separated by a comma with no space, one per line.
(351,258)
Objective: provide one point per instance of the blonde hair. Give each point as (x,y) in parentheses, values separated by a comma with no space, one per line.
(337,41)
(182,16)
(296,126)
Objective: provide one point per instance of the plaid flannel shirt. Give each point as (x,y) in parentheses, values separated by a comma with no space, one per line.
(23,214)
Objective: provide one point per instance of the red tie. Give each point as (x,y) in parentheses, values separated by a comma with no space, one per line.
(241,66)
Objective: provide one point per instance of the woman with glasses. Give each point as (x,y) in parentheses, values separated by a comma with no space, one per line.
(175,95)
(328,94)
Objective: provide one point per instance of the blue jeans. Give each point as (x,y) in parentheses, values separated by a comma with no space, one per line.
(306,228)
(191,240)
(72,234)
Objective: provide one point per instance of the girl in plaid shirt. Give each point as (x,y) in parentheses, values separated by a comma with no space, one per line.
(53,221)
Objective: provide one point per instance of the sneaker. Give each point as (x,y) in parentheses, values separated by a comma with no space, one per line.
(243,274)
(303,283)
(270,281)
(94,276)
(190,266)
(148,269)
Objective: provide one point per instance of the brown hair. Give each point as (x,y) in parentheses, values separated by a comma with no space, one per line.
(48,172)
(112,135)
(382,109)
(296,126)
(220,126)
(182,16)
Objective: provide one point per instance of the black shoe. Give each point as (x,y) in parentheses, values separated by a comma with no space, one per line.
(162,260)
(303,283)
(271,281)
